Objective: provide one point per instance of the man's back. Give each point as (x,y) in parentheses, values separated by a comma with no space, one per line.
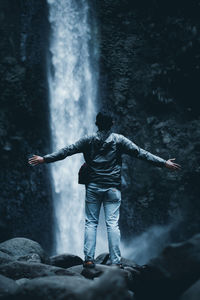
(103,157)
(103,153)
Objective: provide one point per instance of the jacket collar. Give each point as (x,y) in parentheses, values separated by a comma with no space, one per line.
(103,134)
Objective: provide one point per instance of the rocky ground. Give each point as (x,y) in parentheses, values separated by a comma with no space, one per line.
(26,272)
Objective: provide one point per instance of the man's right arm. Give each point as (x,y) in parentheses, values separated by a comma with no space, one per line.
(77,147)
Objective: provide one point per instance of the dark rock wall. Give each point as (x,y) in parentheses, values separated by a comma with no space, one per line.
(149,79)
(25,197)
(149,72)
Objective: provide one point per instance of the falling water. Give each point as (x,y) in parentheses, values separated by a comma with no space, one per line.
(73,74)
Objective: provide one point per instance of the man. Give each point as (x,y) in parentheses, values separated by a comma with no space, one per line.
(103,155)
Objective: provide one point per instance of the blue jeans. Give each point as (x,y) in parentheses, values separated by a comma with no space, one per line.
(111,198)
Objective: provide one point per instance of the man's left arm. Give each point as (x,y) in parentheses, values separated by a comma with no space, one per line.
(128,147)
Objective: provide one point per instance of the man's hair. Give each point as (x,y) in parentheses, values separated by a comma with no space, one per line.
(104,121)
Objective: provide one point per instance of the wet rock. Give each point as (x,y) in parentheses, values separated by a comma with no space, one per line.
(173,271)
(128,263)
(17,270)
(65,260)
(8,287)
(54,287)
(133,277)
(104,259)
(193,293)
(110,286)
(128,273)
(76,269)
(91,273)
(22,281)
(24,249)
(30,258)
(5,258)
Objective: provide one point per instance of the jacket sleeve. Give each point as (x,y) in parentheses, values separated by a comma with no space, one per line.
(128,147)
(78,147)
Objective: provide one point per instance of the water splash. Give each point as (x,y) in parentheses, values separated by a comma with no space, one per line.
(148,244)
(73,74)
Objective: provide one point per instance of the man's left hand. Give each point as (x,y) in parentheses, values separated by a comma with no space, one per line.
(172,165)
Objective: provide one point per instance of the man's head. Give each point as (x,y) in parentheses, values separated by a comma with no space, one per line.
(104,121)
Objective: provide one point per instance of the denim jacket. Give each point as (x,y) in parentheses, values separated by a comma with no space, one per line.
(103,154)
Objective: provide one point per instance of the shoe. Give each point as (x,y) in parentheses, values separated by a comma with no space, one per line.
(88,264)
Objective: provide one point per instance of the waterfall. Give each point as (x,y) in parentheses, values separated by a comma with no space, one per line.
(72,77)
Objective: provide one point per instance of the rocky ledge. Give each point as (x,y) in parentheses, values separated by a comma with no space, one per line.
(26,272)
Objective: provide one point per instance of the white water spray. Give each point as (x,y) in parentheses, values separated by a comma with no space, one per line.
(73,77)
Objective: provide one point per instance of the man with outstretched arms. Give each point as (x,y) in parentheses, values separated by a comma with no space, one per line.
(103,156)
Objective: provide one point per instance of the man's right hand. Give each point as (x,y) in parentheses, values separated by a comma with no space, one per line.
(36,160)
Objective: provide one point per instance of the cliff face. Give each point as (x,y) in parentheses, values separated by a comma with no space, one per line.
(149,71)
(24,128)
(149,64)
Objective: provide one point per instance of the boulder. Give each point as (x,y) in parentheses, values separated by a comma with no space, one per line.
(24,249)
(171,273)
(90,273)
(54,287)
(22,281)
(65,260)
(34,257)
(76,269)
(17,270)
(5,258)
(128,263)
(104,259)
(111,286)
(193,293)
(8,287)
(128,272)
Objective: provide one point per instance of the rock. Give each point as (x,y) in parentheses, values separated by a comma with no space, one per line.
(24,249)
(30,258)
(90,273)
(100,270)
(128,263)
(5,258)
(193,293)
(8,287)
(133,277)
(110,286)
(54,287)
(65,260)
(104,259)
(76,269)
(17,270)
(171,273)
(22,281)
